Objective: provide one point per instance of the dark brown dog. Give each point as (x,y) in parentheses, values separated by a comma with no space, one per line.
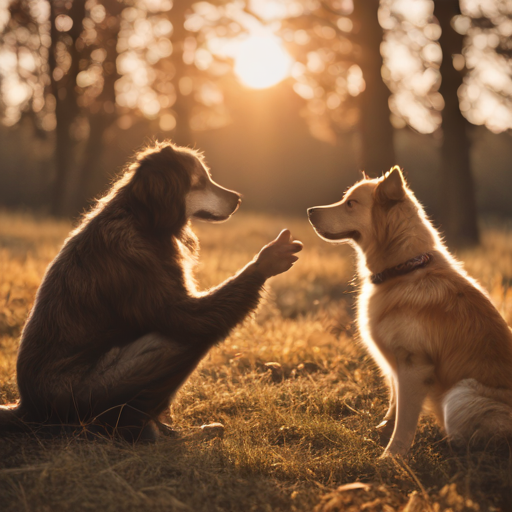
(117,325)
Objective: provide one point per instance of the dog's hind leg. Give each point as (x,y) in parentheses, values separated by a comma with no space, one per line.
(476,414)
(131,386)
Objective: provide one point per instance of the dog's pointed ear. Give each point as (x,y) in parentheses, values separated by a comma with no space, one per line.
(392,187)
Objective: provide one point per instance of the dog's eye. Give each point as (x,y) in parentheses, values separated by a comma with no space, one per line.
(350,203)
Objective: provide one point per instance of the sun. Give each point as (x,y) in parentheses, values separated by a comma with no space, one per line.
(261,61)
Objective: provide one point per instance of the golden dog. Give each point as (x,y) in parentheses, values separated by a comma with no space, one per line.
(432,329)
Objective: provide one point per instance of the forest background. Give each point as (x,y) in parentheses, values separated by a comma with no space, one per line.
(288,99)
(425,85)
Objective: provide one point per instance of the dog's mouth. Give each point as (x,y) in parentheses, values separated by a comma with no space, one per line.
(343,235)
(209,216)
(213,217)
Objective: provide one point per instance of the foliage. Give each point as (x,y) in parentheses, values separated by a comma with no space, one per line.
(185,52)
(295,430)
(412,58)
(486,96)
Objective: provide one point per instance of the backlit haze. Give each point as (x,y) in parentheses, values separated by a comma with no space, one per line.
(262,43)
(261,61)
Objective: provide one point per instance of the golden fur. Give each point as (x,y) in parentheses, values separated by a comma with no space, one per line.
(434,332)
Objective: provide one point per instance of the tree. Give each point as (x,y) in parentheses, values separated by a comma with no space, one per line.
(65,31)
(82,66)
(79,67)
(443,70)
(109,61)
(101,108)
(336,48)
(460,222)
(68,71)
(378,153)
(425,85)
(486,92)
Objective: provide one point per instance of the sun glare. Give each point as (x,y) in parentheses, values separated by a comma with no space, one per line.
(261,61)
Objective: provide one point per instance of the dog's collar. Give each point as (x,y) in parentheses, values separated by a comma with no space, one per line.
(404,268)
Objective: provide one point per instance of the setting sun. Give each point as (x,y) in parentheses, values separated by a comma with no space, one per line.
(261,61)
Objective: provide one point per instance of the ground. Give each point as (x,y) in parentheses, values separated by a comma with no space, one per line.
(297,395)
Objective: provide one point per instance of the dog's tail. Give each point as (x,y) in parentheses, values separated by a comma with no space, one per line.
(475,414)
(11,419)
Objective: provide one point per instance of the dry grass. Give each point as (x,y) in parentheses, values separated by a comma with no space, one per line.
(295,431)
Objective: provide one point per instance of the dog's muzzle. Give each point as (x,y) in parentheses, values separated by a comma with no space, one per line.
(311,213)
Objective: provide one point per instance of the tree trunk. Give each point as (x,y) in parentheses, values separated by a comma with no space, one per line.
(182,108)
(66,108)
(103,111)
(459,212)
(377,151)
(91,159)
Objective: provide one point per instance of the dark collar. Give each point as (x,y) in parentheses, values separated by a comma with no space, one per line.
(404,268)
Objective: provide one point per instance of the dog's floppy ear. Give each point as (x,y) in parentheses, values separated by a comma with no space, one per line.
(392,187)
(159,186)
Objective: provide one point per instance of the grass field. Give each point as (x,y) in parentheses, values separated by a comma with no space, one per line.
(295,430)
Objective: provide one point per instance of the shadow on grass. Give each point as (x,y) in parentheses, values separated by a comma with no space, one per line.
(203,475)
(102,475)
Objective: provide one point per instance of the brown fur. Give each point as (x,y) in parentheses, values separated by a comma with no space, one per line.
(118,325)
(434,332)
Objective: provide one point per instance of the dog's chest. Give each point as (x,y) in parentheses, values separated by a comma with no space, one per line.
(392,320)
(372,323)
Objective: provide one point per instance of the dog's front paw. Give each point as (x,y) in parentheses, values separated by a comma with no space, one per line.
(388,454)
(395,448)
(278,256)
(385,430)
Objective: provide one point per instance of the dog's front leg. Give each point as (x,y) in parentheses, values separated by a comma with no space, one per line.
(387,425)
(212,315)
(413,378)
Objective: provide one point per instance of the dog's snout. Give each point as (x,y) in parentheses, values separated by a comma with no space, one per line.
(237,200)
(311,211)
(233,195)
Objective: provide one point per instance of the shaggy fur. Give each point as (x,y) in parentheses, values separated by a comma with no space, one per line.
(118,325)
(434,332)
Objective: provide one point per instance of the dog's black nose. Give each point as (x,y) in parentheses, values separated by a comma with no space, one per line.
(311,211)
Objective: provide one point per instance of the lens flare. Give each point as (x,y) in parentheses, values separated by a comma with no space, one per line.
(261,61)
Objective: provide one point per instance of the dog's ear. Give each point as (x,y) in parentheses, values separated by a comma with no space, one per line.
(159,186)
(392,187)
